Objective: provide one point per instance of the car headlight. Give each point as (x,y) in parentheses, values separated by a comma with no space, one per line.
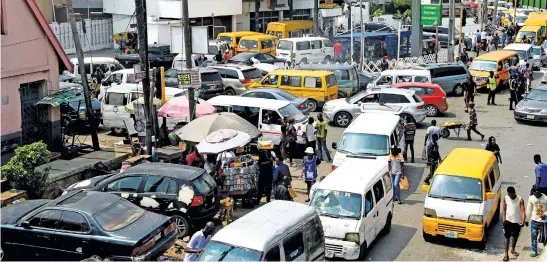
(352,237)
(518,108)
(475,219)
(544,111)
(428,212)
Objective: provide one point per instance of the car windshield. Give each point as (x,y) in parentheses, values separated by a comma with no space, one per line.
(216,251)
(337,203)
(537,51)
(290,111)
(252,74)
(118,215)
(249,44)
(342,75)
(210,77)
(285,95)
(284,45)
(364,144)
(522,54)
(225,39)
(537,94)
(204,183)
(483,65)
(456,188)
(242,57)
(522,35)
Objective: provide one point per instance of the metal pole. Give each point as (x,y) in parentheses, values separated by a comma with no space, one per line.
(85,84)
(316,18)
(399,41)
(351,32)
(461,33)
(53,7)
(496,12)
(188,55)
(257,14)
(436,41)
(451,27)
(142,31)
(480,14)
(416,34)
(514,15)
(363,32)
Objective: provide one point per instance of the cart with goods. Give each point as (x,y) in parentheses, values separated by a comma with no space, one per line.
(447,126)
(240,180)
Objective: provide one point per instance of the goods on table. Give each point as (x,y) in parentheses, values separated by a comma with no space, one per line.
(265,145)
(240,176)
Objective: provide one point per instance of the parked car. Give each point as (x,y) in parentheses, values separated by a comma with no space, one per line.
(278,94)
(237,78)
(189,195)
(211,82)
(350,81)
(119,77)
(540,57)
(433,96)
(82,224)
(158,55)
(73,112)
(91,64)
(245,59)
(533,107)
(448,76)
(342,111)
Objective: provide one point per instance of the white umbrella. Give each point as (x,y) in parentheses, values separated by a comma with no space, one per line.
(223,140)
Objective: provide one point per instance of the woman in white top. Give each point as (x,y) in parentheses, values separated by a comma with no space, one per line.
(513,220)
(309,133)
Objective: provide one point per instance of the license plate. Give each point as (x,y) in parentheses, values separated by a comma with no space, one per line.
(451,234)
(329,254)
(158,236)
(530,117)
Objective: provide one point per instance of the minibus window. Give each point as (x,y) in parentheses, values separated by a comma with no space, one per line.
(378,190)
(387,182)
(316,44)
(487,184)
(294,247)
(273,254)
(116,99)
(313,82)
(291,81)
(304,45)
(492,177)
(455,187)
(369,202)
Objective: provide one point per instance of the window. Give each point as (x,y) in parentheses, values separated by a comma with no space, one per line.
(314,235)
(156,184)
(270,117)
(116,99)
(273,254)
(331,80)
(265,95)
(296,33)
(294,247)
(171,73)
(389,98)
(270,80)
(316,44)
(46,219)
(429,91)
(312,82)
(74,222)
(497,169)
(387,182)
(248,44)
(419,91)
(416,98)
(393,140)
(421,79)
(117,78)
(291,81)
(384,80)
(300,46)
(342,75)
(403,99)
(126,184)
(87,68)
(231,74)
(369,202)
(327,43)
(211,77)
(172,189)
(492,177)
(403,79)
(378,190)
(204,183)
(267,43)
(252,74)
(487,184)
(118,215)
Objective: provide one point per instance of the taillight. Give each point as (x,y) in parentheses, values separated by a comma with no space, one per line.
(197,201)
(245,81)
(420,107)
(333,167)
(169,229)
(301,106)
(144,247)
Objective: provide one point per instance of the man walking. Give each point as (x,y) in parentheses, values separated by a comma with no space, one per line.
(469,88)
(433,158)
(198,241)
(338,52)
(409,130)
(321,127)
(433,129)
(513,86)
(503,38)
(513,213)
(473,122)
(491,89)
(536,212)
(541,174)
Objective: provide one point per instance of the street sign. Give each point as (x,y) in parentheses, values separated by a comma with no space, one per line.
(189,78)
(431,13)
(139,72)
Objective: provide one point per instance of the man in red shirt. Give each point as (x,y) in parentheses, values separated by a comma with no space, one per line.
(338,51)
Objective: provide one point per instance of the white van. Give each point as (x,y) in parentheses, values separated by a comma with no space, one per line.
(180,61)
(91,64)
(389,77)
(278,231)
(265,114)
(370,142)
(306,49)
(524,51)
(355,205)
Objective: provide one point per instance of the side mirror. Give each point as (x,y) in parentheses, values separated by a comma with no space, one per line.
(490,195)
(359,103)
(25,224)
(425,188)
(334,145)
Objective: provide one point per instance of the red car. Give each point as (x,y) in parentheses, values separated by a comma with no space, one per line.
(432,94)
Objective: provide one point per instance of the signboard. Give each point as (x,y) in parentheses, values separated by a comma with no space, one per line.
(189,78)
(139,72)
(431,13)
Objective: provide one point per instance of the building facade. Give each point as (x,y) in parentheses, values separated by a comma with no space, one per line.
(31,61)
(56,10)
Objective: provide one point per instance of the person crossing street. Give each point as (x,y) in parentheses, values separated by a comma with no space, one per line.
(473,122)
(491,84)
(409,132)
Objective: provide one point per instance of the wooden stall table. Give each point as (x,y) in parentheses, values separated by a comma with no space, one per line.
(168,153)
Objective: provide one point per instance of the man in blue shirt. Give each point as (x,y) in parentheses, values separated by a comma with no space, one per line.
(280,171)
(541,174)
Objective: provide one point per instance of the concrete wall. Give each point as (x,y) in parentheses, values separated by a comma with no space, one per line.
(172,8)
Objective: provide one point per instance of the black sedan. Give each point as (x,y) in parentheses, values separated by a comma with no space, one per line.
(245,59)
(82,224)
(533,107)
(187,194)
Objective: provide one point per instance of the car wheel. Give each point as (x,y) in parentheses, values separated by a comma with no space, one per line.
(230,92)
(387,227)
(482,244)
(496,217)
(342,119)
(117,131)
(445,133)
(1,254)
(183,227)
(362,251)
(427,237)
(431,110)
(304,61)
(328,59)
(312,105)
(458,90)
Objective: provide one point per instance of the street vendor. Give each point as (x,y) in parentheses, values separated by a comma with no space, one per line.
(225,158)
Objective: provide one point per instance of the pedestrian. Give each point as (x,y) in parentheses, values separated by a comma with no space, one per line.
(309,172)
(503,38)
(194,158)
(513,87)
(541,174)
(464,56)
(321,126)
(384,65)
(281,190)
(281,170)
(459,61)
(528,73)
(470,62)
(122,43)
(291,142)
(473,122)
(338,51)
(432,129)
(395,165)
(493,147)
(409,131)
(265,176)
(484,39)
(110,71)
(309,133)
(227,56)
(198,241)
(513,213)
(536,210)
(491,84)
(315,186)
(283,142)
(383,51)
(433,158)
(432,46)
(218,57)
(95,86)
(469,89)
(225,158)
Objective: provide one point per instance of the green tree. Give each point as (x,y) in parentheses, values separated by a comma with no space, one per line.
(378,12)
(402,3)
(20,170)
(406,17)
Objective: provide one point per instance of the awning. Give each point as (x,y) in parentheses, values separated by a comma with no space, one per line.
(56,99)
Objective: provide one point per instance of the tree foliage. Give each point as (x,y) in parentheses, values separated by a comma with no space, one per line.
(378,12)
(20,170)
(402,3)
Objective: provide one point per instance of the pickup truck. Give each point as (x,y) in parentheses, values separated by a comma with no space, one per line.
(158,55)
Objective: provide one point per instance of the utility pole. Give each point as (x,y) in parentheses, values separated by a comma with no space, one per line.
(496,12)
(480,14)
(85,84)
(416,36)
(451,27)
(461,32)
(142,30)
(316,17)
(436,24)
(188,56)
(257,14)
(363,32)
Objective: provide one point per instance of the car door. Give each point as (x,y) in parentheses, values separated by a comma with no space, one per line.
(328,48)
(368,228)
(273,254)
(171,78)
(493,176)
(230,78)
(73,237)
(381,205)
(114,112)
(292,84)
(270,81)
(126,187)
(39,236)
(367,102)
(270,126)
(316,51)
(293,247)
(159,194)
(487,203)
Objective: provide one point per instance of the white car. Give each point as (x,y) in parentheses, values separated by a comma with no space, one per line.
(342,111)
